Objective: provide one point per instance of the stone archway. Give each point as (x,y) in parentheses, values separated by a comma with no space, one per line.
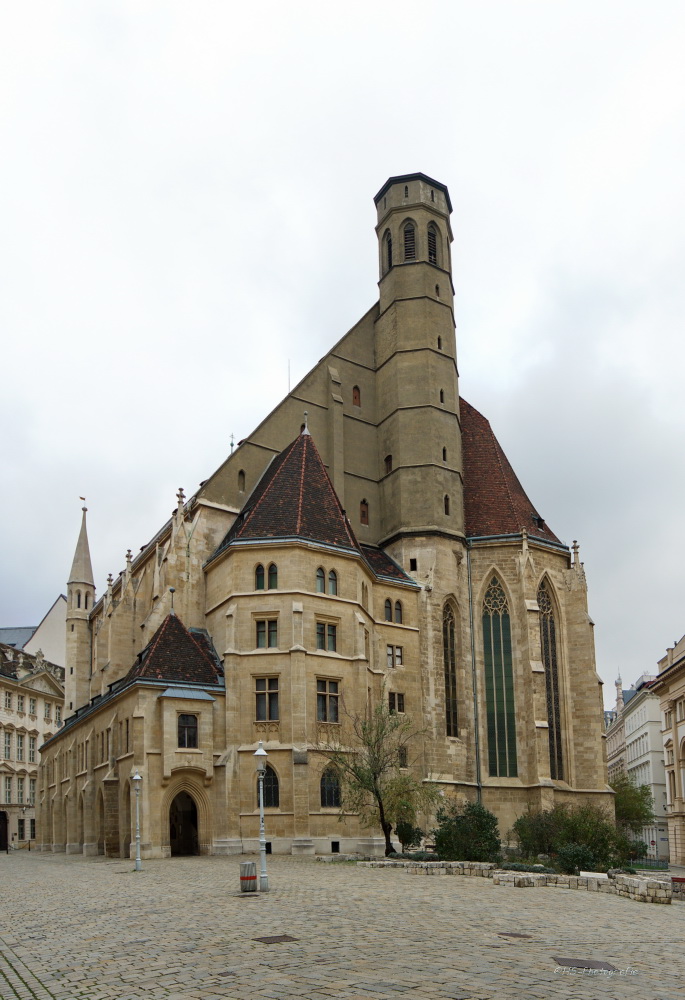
(183,828)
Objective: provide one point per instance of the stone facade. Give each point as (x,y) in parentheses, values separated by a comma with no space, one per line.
(31,706)
(670,687)
(450,590)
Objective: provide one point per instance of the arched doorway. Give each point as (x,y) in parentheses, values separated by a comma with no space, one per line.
(183,835)
(3,831)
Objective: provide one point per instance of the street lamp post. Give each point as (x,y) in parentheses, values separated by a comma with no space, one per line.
(136,784)
(261,755)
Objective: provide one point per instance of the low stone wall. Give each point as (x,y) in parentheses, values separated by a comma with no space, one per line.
(643,890)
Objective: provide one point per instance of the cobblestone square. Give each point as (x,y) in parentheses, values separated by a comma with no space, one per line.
(93,929)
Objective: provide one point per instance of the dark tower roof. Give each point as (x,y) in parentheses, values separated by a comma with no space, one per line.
(405,178)
(293,499)
(176,654)
(495,503)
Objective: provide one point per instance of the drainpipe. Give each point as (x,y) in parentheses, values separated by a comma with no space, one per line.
(479,784)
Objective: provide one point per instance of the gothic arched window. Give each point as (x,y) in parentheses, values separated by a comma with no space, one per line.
(548,649)
(333,583)
(432,244)
(320,581)
(356,396)
(409,241)
(259,577)
(398,612)
(388,610)
(388,250)
(449,652)
(330,789)
(273,576)
(241,481)
(271,793)
(499,683)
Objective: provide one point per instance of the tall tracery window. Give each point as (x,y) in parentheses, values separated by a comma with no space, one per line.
(432,245)
(499,683)
(388,251)
(409,241)
(330,789)
(271,791)
(449,652)
(548,646)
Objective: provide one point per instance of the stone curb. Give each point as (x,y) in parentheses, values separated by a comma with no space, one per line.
(643,890)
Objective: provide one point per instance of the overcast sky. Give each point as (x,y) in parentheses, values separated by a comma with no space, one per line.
(186,208)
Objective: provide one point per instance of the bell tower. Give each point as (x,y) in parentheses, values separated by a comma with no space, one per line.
(419,437)
(80,601)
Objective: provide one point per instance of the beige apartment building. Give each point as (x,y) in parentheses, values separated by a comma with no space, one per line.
(31,705)
(670,687)
(368,540)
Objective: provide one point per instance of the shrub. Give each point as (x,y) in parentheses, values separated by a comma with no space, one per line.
(469,833)
(519,866)
(572,858)
(409,836)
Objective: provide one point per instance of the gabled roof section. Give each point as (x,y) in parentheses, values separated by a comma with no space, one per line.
(176,654)
(385,567)
(495,503)
(295,498)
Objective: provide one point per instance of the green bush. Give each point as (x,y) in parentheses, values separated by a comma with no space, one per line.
(519,866)
(572,858)
(585,827)
(469,833)
(409,836)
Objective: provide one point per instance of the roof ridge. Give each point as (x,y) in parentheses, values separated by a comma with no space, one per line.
(303,464)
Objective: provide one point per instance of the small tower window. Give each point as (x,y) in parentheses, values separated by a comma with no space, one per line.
(333,583)
(259,577)
(437,291)
(78,598)
(388,610)
(439,343)
(432,245)
(409,241)
(273,576)
(444,454)
(432,195)
(241,481)
(388,464)
(447,504)
(442,395)
(320,581)
(364,512)
(356,396)
(388,250)
(398,612)
(406,190)
(85,600)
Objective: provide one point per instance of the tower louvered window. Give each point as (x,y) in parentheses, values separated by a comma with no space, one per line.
(548,648)
(499,683)
(432,245)
(449,651)
(388,251)
(409,242)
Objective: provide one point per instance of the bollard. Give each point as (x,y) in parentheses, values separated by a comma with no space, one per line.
(248,876)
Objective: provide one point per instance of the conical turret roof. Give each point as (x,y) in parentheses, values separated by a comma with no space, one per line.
(81,568)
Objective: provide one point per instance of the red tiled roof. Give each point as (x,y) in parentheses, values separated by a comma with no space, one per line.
(294,499)
(383,565)
(175,654)
(495,503)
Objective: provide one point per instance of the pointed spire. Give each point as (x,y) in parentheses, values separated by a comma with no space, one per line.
(305,429)
(81,568)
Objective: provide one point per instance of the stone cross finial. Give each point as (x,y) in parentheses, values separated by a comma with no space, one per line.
(129,559)
(305,429)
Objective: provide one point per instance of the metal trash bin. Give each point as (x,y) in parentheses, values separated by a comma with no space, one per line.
(248,876)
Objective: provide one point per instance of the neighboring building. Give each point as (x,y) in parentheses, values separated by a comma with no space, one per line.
(31,705)
(670,688)
(51,634)
(644,759)
(380,547)
(48,638)
(615,732)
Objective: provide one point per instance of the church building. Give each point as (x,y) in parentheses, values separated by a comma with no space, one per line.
(368,540)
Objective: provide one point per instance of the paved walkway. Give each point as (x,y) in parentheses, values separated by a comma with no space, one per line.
(92,929)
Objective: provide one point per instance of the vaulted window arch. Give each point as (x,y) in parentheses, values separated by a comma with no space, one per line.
(548,650)
(499,683)
(333,583)
(320,581)
(387,250)
(259,577)
(409,235)
(387,608)
(356,396)
(273,576)
(271,790)
(449,653)
(330,789)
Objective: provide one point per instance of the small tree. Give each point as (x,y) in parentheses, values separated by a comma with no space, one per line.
(370,755)
(634,804)
(467,833)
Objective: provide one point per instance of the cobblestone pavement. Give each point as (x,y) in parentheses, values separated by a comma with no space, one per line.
(93,929)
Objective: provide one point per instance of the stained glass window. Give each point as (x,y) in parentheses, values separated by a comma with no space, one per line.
(548,647)
(499,683)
